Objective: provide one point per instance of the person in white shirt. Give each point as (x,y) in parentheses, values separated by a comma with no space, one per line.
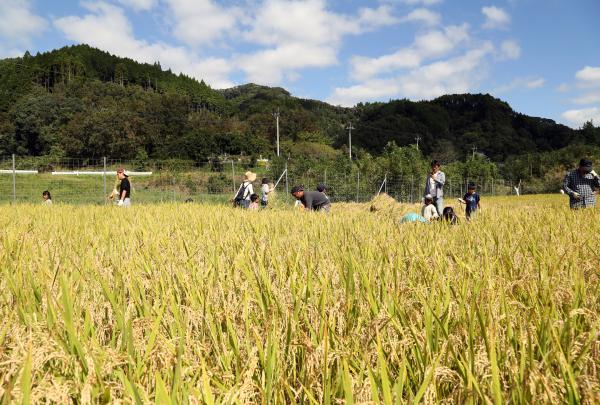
(429,211)
(242,196)
(434,186)
(47,197)
(265,189)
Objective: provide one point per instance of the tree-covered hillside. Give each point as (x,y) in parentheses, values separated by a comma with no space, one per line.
(81,101)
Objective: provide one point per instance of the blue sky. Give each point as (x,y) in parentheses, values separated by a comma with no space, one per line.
(542,56)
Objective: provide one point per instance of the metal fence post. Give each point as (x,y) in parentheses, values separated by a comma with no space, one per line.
(232,177)
(104,181)
(14,170)
(287,191)
(174,198)
(357,184)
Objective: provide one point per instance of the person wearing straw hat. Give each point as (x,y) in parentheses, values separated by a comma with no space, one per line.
(580,184)
(242,196)
(124,189)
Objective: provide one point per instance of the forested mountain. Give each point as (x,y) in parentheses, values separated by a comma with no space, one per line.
(80,101)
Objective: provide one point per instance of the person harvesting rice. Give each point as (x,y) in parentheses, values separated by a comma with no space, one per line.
(311,200)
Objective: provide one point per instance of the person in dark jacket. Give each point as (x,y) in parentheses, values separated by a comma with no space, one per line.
(311,200)
(580,185)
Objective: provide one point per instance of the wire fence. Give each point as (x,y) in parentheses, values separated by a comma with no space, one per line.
(90,181)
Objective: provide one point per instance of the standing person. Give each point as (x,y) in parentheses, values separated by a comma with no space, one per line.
(47,197)
(265,189)
(471,200)
(434,185)
(242,197)
(124,189)
(429,212)
(580,184)
(311,200)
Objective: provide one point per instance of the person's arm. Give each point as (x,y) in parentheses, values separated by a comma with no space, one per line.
(478,202)
(440,178)
(250,190)
(308,202)
(567,188)
(596,179)
(434,214)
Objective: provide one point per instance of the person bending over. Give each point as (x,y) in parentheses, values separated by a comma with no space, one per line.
(311,200)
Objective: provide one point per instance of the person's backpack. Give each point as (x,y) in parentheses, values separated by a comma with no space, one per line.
(240,200)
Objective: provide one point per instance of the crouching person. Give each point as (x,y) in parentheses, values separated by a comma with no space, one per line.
(311,200)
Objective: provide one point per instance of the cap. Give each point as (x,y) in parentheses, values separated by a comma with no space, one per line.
(429,197)
(471,186)
(297,188)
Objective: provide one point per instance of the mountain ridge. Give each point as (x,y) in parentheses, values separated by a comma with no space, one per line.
(192,120)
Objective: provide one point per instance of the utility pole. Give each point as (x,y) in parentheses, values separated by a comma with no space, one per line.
(418,138)
(276,115)
(350,128)
(474,148)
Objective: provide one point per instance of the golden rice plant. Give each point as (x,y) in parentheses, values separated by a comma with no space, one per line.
(209,304)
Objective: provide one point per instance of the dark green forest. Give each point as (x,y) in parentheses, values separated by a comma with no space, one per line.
(82,102)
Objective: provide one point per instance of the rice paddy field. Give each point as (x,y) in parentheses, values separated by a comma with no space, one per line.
(189,303)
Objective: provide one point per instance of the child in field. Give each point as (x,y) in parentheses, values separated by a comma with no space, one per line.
(47,197)
(253,202)
(449,216)
(471,200)
(429,212)
(265,189)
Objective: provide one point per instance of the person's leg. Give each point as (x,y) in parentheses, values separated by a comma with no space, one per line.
(127,202)
(439,205)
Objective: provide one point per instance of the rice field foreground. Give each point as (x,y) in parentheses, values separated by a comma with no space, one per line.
(207,304)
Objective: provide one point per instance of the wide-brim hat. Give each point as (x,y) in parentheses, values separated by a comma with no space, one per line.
(249,176)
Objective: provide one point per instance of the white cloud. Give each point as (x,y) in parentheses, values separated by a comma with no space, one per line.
(18,24)
(578,117)
(271,66)
(510,50)
(201,22)
(424,16)
(495,17)
(521,83)
(140,5)
(418,2)
(589,76)
(106,27)
(301,34)
(588,98)
(454,75)
(428,45)
(376,17)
